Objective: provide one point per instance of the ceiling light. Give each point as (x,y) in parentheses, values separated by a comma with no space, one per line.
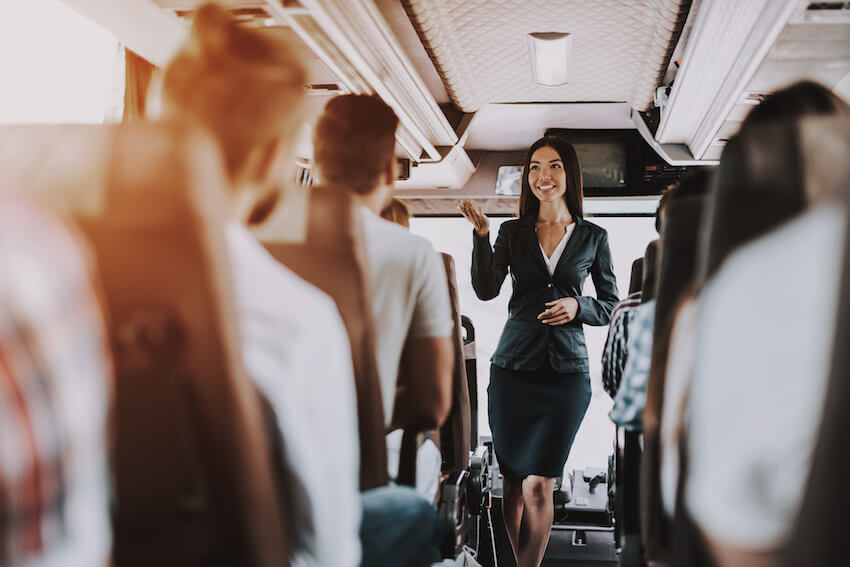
(549,55)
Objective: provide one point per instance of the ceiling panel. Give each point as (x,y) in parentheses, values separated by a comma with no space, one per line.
(620,47)
(517,126)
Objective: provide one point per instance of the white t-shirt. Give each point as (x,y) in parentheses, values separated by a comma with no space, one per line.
(429,462)
(410,295)
(766,330)
(296,349)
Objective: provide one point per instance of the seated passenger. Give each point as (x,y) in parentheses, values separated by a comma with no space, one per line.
(739,214)
(55,382)
(428,458)
(246,88)
(631,396)
(615,353)
(354,147)
(748,470)
(684,212)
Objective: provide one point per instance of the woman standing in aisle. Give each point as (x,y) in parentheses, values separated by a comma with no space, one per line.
(539,382)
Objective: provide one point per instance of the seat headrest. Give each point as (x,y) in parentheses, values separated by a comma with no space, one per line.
(678,266)
(73,168)
(767,175)
(636,278)
(650,271)
(332,214)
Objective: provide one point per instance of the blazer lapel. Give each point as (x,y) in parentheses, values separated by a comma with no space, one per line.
(534,244)
(576,242)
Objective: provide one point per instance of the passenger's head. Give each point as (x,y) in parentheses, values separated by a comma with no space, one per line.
(551,172)
(695,183)
(805,98)
(354,144)
(398,212)
(761,181)
(650,271)
(246,87)
(636,278)
(662,205)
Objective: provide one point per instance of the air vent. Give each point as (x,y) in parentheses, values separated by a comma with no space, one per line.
(828,6)
(324,89)
(831,12)
(254,15)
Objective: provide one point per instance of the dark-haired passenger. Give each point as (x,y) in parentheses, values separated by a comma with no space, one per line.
(539,383)
(754,408)
(615,352)
(630,399)
(354,147)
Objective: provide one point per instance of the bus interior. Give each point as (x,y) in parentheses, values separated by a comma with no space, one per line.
(648,92)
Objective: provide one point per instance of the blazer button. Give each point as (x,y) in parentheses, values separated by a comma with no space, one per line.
(550,285)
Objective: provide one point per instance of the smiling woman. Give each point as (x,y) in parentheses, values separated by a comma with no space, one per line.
(57,66)
(539,379)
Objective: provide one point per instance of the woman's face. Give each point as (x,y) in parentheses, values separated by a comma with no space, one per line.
(546,175)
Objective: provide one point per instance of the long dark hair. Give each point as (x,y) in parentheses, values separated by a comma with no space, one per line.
(529,205)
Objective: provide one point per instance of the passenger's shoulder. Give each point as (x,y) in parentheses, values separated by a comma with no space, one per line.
(393,236)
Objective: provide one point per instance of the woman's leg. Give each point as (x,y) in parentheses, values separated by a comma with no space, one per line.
(512,505)
(536,520)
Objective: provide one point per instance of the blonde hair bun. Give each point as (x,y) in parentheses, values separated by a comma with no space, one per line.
(211,29)
(244,85)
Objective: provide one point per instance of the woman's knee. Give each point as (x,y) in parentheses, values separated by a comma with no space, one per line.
(537,490)
(512,486)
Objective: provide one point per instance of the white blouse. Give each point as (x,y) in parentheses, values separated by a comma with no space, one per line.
(552,261)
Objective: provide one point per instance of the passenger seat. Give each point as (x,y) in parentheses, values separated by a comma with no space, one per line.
(332,258)
(193,478)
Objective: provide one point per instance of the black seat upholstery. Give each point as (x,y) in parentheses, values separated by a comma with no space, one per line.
(677,272)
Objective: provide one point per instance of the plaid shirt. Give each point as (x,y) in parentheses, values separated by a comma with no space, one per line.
(631,397)
(54,393)
(616,351)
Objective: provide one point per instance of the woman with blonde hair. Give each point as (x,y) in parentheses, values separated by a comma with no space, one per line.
(246,87)
(398,212)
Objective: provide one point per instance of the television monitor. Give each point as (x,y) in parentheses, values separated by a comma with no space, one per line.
(603,164)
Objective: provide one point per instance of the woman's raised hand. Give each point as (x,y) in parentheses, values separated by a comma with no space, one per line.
(476,216)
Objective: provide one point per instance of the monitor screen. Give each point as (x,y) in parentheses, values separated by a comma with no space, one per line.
(603,164)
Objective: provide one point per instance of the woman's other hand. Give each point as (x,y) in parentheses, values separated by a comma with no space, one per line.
(476,216)
(560,312)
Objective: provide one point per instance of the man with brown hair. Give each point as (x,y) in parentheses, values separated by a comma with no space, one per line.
(354,147)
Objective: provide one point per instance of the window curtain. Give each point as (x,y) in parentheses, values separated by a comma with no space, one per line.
(138,72)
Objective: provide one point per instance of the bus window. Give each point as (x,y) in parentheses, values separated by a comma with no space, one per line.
(56,65)
(628,237)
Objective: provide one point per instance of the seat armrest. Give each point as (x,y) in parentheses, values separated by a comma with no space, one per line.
(453,513)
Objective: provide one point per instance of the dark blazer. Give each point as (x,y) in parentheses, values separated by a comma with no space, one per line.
(526,341)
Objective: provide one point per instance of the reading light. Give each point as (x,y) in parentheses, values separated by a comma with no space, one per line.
(549,53)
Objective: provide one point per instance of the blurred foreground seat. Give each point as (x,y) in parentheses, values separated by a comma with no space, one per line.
(55,389)
(193,479)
